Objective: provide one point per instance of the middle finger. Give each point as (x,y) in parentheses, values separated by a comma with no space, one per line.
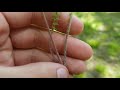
(34,38)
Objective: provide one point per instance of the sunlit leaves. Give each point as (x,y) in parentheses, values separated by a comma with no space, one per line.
(102,32)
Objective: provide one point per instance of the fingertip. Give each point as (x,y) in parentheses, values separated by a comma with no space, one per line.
(62,73)
(77,26)
(89,52)
(81,68)
(79,49)
(76,66)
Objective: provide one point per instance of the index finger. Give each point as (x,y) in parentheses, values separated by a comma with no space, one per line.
(24,19)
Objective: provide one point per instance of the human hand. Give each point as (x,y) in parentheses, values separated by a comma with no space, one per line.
(24,49)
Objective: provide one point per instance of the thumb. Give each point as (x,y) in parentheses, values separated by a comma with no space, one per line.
(35,70)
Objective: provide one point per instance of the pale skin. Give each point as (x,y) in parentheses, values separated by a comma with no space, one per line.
(24,51)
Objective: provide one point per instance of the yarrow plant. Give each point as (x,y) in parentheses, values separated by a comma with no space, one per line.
(52,46)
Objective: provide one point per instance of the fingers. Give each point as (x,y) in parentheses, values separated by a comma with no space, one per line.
(5,43)
(6,58)
(34,38)
(24,19)
(4,30)
(23,57)
(18,19)
(35,70)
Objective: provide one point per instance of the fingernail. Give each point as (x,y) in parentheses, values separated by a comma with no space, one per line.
(62,73)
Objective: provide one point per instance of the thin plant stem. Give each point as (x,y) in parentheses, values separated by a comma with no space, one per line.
(51,39)
(55,23)
(50,47)
(66,38)
(53,27)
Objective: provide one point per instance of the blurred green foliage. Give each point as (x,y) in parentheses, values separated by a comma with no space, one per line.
(102,32)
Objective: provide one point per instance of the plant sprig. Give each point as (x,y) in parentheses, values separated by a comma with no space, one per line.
(55,20)
(52,45)
(51,39)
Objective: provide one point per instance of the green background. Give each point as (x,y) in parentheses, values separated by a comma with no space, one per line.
(102,32)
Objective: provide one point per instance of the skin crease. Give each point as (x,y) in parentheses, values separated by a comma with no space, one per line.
(24,50)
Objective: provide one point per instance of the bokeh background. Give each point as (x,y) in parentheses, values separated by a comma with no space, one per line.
(102,32)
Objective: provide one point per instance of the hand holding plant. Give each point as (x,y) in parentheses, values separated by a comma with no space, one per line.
(25,51)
